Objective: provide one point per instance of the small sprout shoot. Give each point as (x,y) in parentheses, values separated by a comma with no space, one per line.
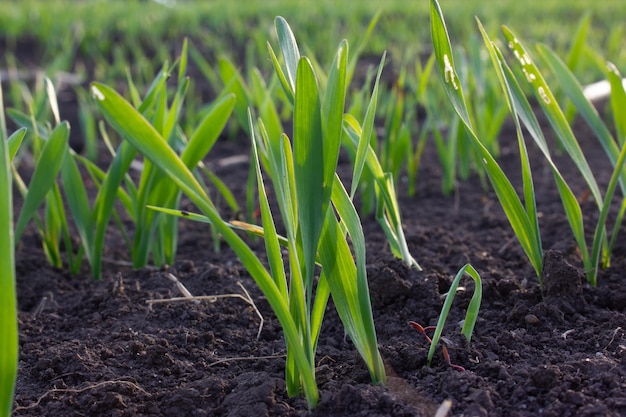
(444,350)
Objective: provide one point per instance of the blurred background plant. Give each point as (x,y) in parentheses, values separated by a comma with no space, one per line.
(125,43)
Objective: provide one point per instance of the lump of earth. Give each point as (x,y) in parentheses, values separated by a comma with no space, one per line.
(560,279)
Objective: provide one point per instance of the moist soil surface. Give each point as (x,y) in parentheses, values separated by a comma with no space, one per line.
(106,349)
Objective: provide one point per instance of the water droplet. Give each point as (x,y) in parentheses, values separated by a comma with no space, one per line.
(97,93)
(511,45)
(530,77)
(543,95)
(448,72)
(526,59)
(485,161)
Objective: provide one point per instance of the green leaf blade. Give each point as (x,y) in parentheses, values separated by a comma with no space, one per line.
(289,48)
(333,108)
(45,175)
(308,153)
(8,299)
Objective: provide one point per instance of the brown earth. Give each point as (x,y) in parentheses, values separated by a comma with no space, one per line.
(99,349)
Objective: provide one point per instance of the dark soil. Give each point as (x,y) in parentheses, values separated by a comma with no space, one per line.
(100,349)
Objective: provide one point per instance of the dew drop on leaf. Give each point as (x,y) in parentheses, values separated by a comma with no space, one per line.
(612,68)
(543,95)
(449,72)
(97,93)
(530,77)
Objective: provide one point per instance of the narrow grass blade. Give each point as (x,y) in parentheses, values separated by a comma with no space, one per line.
(173,115)
(265,103)
(308,152)
(223,190)
(182,64)
(207,132)
(44,176)
(578,46)
(8,298)
(472,310)
(332,117)
(205,67)
(183,214)
(270,236)
(600,233)
(103,205)
(51,229)
(289,48)
(362,44)
(135,97)
(14,141)
(284,82)
(154,91)
(88,125)
(234,84)
(367,132)
(618,102)
(520,109)
(23,120)
(387,210)
(78,203)
(347,278)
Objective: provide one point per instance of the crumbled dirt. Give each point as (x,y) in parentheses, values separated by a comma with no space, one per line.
(100,349)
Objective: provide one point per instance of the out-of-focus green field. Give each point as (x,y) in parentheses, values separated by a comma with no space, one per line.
(117,33)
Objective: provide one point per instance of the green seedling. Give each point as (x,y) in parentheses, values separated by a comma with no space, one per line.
(315,207)
(574,91)
(358,139)
(310,197)
(524,219)
(49,147)
(470,316)
(156,236)
(600,247)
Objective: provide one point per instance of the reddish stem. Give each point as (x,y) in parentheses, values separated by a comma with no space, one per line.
(446,355)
